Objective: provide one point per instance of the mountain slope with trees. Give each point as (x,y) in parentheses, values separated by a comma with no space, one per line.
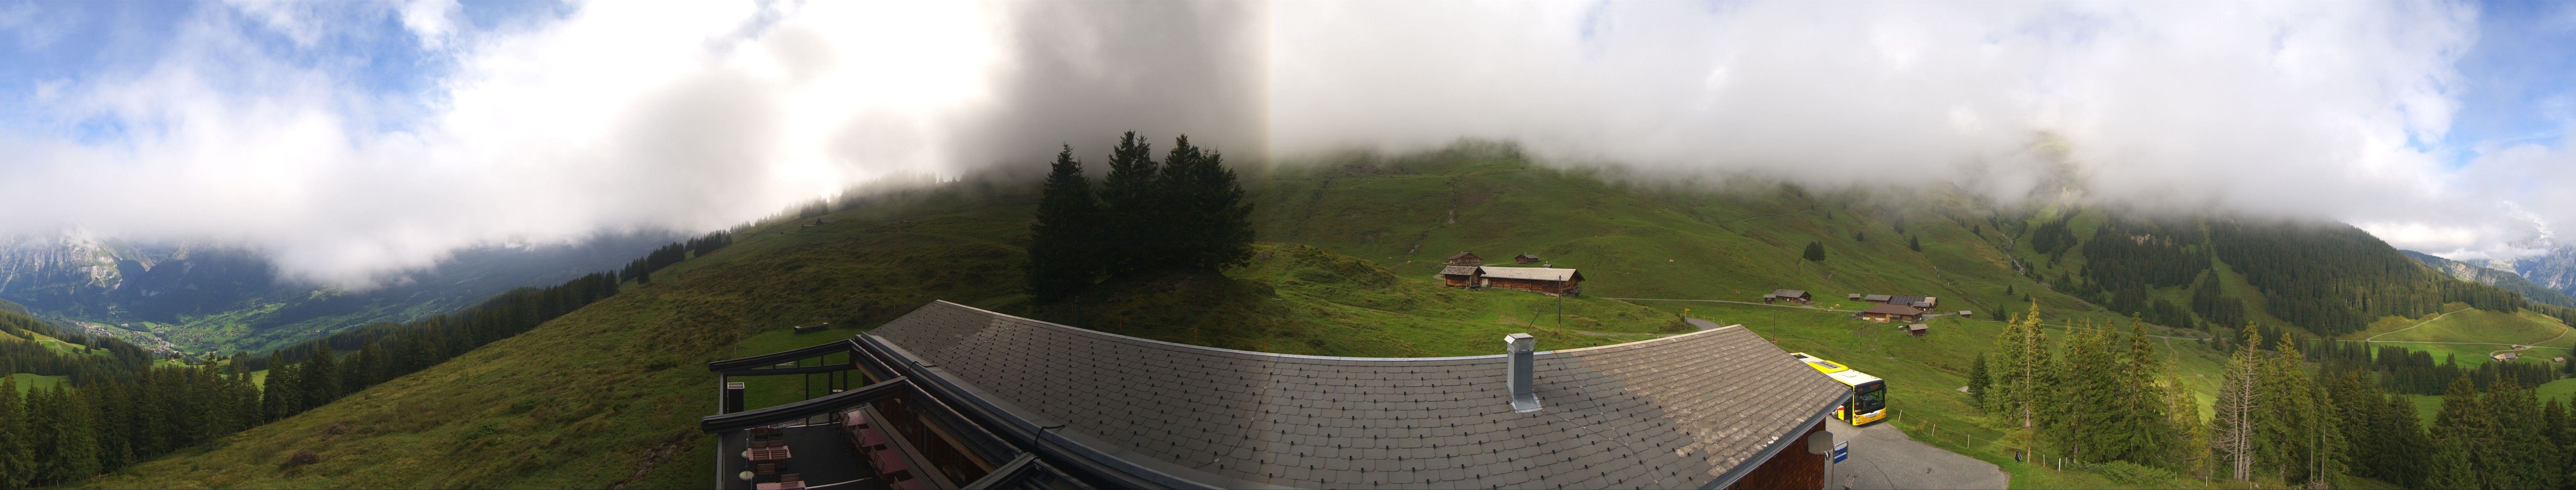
(1344,264)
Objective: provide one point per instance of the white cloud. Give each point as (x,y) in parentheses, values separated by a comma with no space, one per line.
(431,22)
(690,115)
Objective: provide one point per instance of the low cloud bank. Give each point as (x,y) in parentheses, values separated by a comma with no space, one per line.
(262,126)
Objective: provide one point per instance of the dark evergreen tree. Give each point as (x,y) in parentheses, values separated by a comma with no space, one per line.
(1815,252)
(1912,243)
(1978,380)
(2466,430)
(17,460)
(319,377)
(1064,243)
(1132,208)
(1209,226)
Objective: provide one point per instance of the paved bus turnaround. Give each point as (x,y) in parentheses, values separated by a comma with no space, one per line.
(1869,394)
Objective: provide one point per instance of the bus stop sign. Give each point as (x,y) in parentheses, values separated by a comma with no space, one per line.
(1841,450)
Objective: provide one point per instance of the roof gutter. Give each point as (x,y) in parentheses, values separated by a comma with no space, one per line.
(1776,446)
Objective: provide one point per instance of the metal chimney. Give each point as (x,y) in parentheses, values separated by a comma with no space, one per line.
(1522,348)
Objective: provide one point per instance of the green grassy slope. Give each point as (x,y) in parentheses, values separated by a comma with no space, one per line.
(604,396)
(2469,335)
(1408,215)
(607,395)
(605,392)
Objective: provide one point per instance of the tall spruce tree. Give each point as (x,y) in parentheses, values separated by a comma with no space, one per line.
(74,454)
(2404,436)
(320,377)
(1978,380)
(1064,248)
(17,461)
(1815,252)
(2465,427)
(1209,226)
(2520,460)
(2019,370)
(2139,429)
(280,395)
(1132,208)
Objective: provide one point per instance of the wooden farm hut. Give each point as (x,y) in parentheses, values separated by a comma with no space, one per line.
(1465,258)
(2507,356)
(1889,313)
(1874,298)
(1459,276)
(1534,279)
(1525,259)
(1918,329)
(1791,295)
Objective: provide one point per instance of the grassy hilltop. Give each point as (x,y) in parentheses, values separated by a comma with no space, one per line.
(607,396)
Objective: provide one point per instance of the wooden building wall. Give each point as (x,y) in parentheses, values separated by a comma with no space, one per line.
(1533,285)
(1794,467)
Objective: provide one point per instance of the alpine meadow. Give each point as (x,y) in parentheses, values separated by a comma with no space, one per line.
(1332,244)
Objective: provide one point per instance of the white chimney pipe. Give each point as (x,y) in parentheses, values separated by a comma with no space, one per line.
(1523,349)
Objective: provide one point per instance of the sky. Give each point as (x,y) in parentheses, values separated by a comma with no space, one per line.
(352,141)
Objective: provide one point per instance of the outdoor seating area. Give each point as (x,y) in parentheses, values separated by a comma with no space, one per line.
(794,457)
(889,461)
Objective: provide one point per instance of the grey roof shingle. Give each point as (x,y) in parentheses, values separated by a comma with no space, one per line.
(1458,270)
(1683,410)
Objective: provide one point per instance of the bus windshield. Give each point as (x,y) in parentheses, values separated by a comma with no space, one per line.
(1871,398)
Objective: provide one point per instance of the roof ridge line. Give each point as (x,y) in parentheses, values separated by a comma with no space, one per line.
(1305,356)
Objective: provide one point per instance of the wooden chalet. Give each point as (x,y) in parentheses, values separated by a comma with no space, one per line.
(1874,298)
(1465,258)
(1889,313)
(1533,279)
(1923,302)
(1918,329)
(1854,297)
(1525,259)
(1791,295)
(2506,356)
(1460,276)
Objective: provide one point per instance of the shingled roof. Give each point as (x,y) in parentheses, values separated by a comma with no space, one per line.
(1458,270)
(1690,410)
(1533,273)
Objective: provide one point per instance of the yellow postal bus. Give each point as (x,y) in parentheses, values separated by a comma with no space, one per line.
(1869,394)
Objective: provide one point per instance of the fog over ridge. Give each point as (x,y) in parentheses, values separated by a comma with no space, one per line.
(257,125)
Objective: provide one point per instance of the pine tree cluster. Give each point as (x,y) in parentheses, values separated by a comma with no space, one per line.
(2096,395)
(123,360)
(641,270)
(1186,212)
